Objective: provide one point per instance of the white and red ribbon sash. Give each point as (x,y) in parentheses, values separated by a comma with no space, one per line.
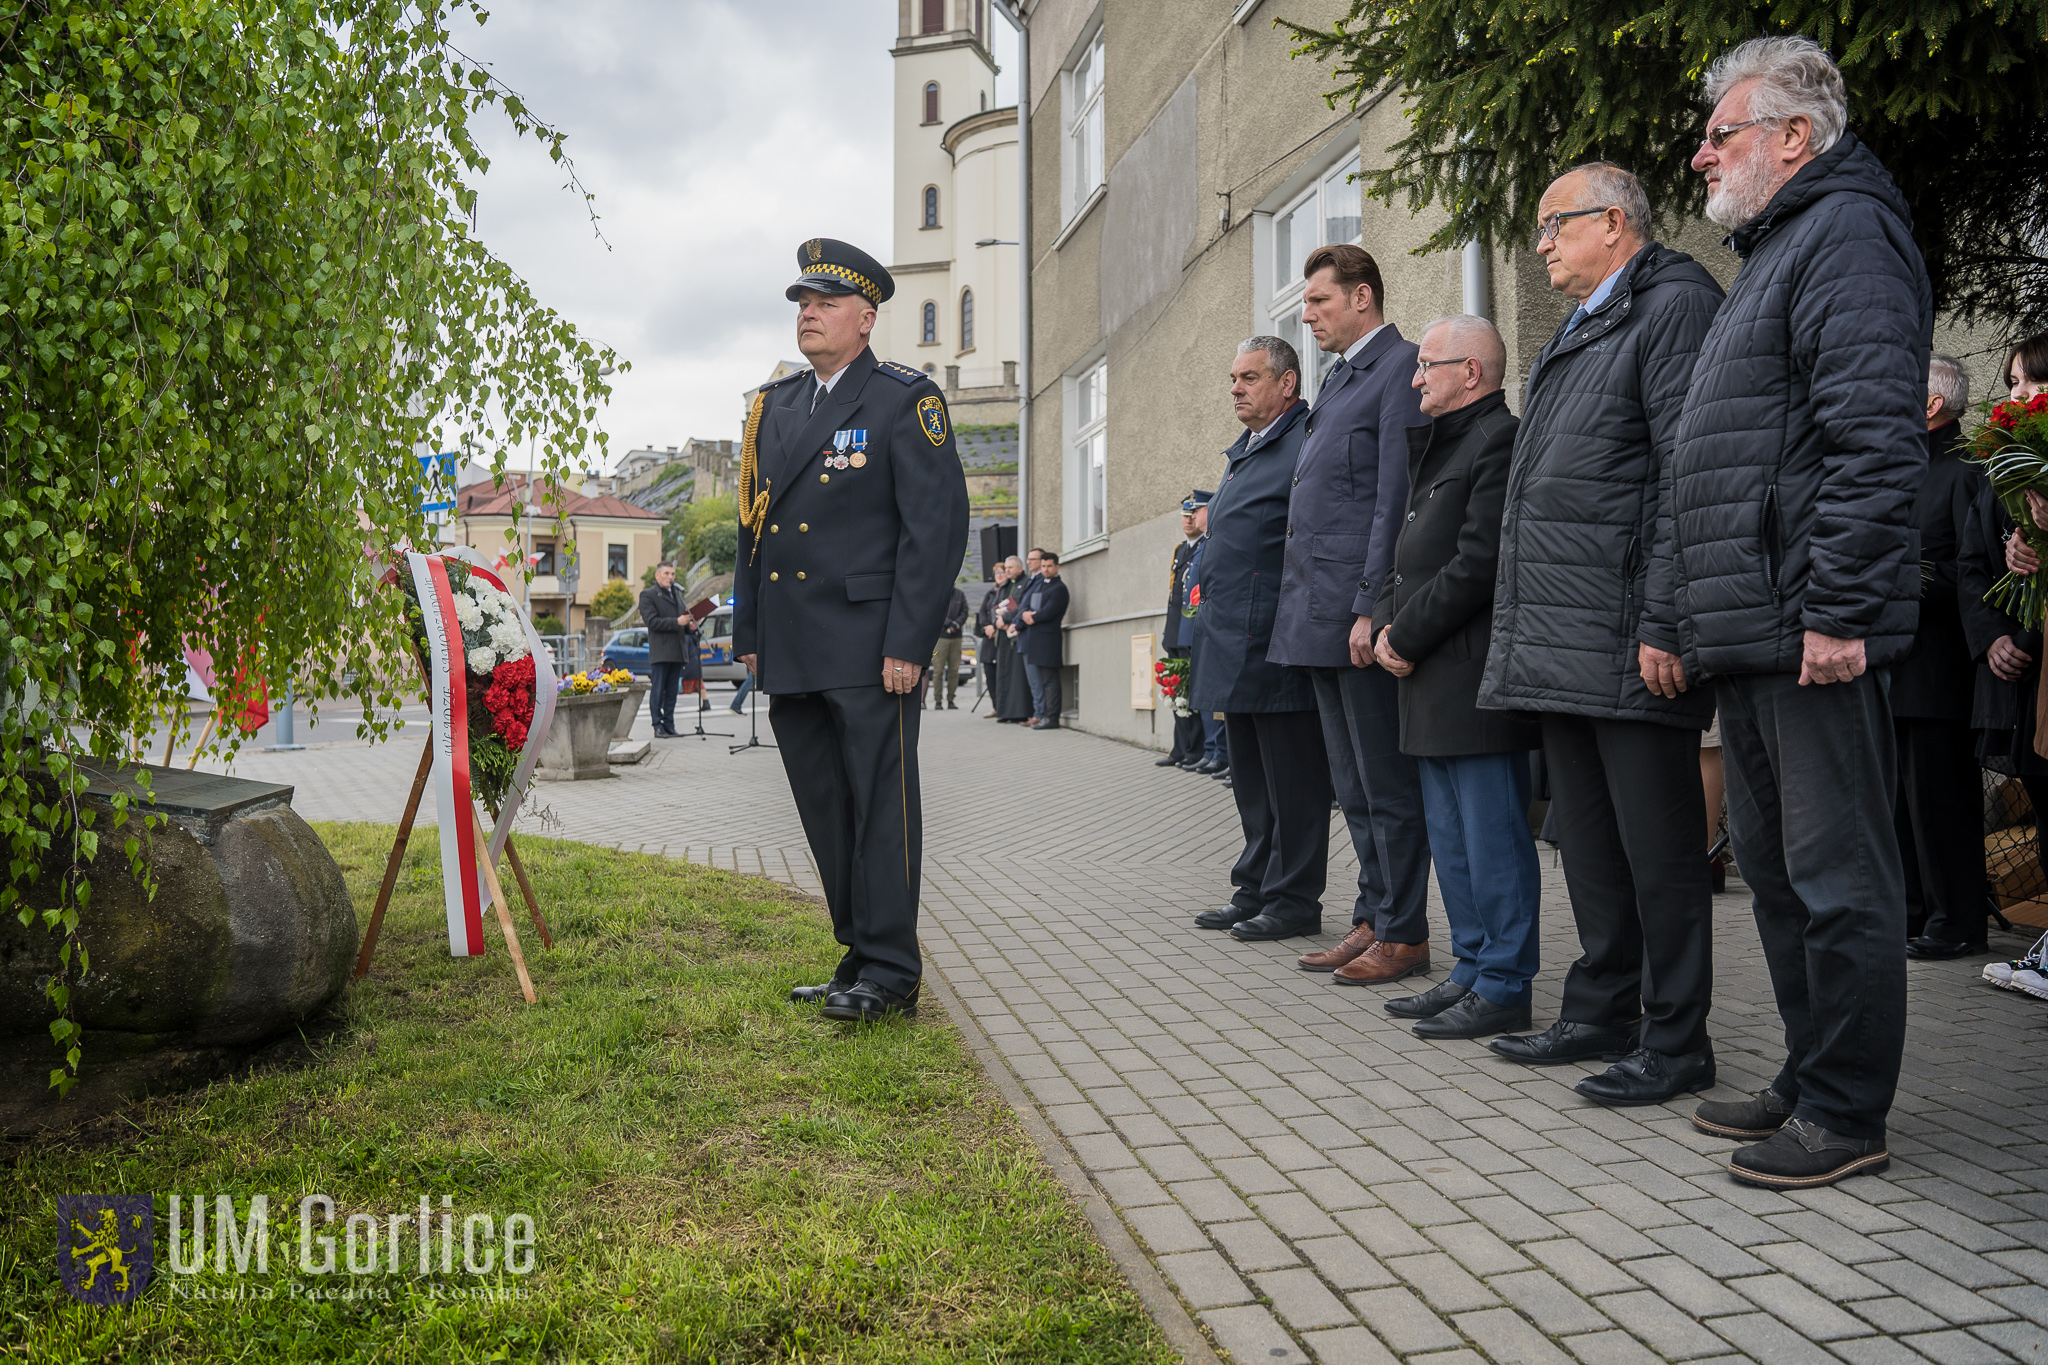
(543,704)
(449,700)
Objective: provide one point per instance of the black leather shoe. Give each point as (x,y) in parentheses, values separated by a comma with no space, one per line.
(1191,765)
(1224,918)
(1647,1076)
(1168,762)
(1802,1155)
(952,706)
(1567,1041)
(1941,950)
(864,1001)
(1435,1000)
(1759,1116)
(1207,766)
(1266,928)
(1222,774)
(1474,1016)
(817,995)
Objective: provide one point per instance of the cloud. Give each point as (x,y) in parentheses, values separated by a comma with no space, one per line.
(716,135)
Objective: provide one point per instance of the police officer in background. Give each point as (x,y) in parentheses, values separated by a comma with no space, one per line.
(853,523)
(1179,636)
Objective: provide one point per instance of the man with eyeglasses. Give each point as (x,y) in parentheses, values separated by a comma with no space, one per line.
(1576,597)
(1796,562)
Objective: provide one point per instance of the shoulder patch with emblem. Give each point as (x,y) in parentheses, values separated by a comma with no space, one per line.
(901,373)
(931,415)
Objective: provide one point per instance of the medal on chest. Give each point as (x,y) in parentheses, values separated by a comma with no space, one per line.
(848,449)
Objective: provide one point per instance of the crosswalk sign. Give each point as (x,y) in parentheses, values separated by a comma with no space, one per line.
(437,482)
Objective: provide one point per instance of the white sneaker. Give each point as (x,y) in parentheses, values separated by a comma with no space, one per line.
(2030,980)
(2000,973)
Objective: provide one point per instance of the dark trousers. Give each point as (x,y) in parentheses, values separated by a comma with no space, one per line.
(1811,773)
(1940,825)
(851,756)
(663,679)
(1187,730)
(1380,791)
(1280,775)
(1045,689)
(1478,806)
(1629,809)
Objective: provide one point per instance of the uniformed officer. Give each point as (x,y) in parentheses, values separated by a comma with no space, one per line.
(1178,637)
(853,525)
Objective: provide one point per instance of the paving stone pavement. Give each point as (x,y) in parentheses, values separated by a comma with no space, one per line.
(1315,1181)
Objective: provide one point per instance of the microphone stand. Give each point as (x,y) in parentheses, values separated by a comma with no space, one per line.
(740,698)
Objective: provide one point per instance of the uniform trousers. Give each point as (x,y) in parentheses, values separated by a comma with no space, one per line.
(1280,775)
(1811,777)
(1940,823)
(1187,730)
(851,756)
(662,680)
(945,668)
(1629,808)
(1478,811)
(1380,792)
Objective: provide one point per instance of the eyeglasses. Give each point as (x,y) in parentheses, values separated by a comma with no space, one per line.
(1717,138)
(1546,231)
(1422,367)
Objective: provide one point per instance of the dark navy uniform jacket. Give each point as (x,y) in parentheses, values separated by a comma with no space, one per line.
(1240,578)
(855,560)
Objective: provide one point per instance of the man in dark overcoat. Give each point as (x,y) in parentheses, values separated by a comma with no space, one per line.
(671,646)
(1280,771)
(853,522)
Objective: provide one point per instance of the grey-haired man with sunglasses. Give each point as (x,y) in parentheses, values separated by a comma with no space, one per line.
(1579,590)
(1796,563)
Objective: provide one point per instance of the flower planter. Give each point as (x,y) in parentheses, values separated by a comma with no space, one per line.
(579,741)
(636,702)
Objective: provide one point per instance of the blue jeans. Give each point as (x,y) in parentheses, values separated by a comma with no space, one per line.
(1215,742)
(1477,809)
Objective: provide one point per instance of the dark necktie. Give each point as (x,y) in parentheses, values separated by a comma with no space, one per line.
(1578,316)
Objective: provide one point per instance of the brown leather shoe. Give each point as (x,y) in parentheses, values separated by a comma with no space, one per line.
(1385,962)
(1355,943)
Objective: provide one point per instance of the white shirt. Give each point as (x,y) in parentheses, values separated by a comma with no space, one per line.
(824,386)
(1351,355)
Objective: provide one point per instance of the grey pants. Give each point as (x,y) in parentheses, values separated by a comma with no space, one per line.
(1380,792)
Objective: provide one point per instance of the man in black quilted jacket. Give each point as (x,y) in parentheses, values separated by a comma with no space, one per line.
(1574,599)
(1796,567)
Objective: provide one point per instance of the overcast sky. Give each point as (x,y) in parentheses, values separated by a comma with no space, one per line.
(717,135)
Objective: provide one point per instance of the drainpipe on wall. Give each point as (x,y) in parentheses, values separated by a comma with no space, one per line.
(1013,11)
(1478,272)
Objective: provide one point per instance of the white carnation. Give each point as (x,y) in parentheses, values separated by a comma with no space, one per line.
(468,612)
(483,659)
(508,639)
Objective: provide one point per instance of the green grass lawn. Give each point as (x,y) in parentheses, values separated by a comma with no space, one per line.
(713,1173)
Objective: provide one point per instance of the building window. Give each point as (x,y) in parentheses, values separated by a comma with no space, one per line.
(1091,450)
(543,557)
(931,102)
(615,561)
(967,319)
(930,336)
(931,206)
(1324,214)
(1084,126)
(934,16)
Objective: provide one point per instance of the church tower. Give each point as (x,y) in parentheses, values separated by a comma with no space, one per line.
(955,311)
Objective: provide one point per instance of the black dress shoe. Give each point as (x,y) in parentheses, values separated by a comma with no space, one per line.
(952,706)
(817,995)
(1265,928)
(1759,1116)
(864,1001)
(1435,1000)
(1222,774)
(1207,766)
(1647,1076)
(1168,762)
(1802,1155)
(1224,918)
(1940,950)
(1474,1016)
(1567,1041)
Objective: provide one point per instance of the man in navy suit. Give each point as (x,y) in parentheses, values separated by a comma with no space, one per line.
(1040,608)
(1349,494)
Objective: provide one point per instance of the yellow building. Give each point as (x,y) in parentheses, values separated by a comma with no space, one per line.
(574,539)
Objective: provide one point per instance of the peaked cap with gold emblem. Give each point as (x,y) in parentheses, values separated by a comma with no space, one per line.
(833,267)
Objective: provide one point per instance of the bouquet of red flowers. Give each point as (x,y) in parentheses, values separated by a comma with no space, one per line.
(2012,445)
(1172,677)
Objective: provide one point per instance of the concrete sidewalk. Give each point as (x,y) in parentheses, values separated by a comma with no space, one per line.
(1314,1180)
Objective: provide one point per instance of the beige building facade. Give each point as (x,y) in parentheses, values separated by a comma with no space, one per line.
(1181,168)
(575,540)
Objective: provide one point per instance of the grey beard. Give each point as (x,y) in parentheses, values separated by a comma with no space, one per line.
(1745,191)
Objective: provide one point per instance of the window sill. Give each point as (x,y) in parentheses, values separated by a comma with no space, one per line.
(927,343)
(1096,196)
(931,227)
(968,351)
(1082,551)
